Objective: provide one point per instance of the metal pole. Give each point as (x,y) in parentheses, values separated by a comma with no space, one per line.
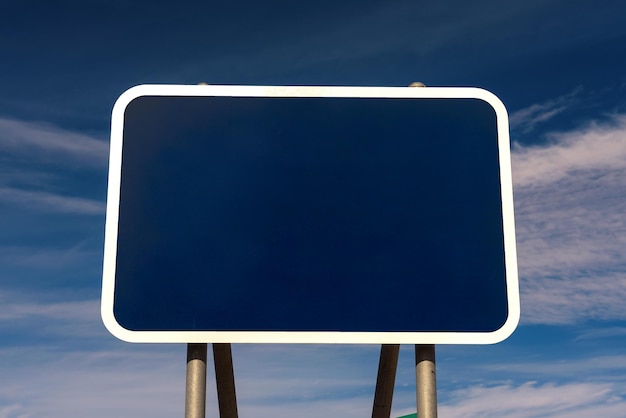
(195,391)
(225,380)
(425,381)
(385,381)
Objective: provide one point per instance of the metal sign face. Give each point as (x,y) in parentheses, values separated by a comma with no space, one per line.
(310,215)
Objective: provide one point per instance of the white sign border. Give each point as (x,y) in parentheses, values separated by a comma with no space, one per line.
(112,214)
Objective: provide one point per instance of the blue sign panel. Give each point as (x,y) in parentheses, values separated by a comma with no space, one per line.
(295,214)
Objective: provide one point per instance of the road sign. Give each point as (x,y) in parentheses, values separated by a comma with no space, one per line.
(309,215)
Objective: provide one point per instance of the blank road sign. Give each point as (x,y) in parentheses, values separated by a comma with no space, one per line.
(309,214)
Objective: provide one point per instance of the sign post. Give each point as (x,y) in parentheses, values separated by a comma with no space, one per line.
(225,380)
(195,388)
(426,380)
(385,381)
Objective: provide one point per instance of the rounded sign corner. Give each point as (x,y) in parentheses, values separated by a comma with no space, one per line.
(507,329)
(127,97)
(493,100)
(111,324)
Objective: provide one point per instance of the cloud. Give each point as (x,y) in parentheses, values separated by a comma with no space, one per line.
(39,156)
(574,299)
(326,374)
(16,308)
(596,333)
(30,315)
(84,371)
(148,380)
(597,147)
(599,367)
(572,400)
(48,258)
(133,381)
(571,229)
(329,41)
(49,202)
(528,118)
(44,141)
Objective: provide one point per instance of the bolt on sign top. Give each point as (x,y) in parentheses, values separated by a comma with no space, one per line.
(310,215)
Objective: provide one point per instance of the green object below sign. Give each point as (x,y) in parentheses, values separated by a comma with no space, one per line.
(409,416)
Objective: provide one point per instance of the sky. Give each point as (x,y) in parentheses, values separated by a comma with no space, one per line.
(558,66)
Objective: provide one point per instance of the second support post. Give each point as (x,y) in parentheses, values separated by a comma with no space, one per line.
(426,380)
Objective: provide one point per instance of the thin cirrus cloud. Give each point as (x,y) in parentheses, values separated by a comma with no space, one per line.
(51,202)
(40,140)
(31,314)
(48,259)
(13,310)
(41,146)
(570,224)
(598,333)
(528,118)
(595,147)
(599,368)
(530,399)
(149,381)
(143,381)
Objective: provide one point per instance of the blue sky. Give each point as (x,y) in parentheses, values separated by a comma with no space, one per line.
(559,67)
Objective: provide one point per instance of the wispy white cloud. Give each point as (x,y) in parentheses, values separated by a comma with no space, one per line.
(149,381)
(43,201)
(347,407)
(146,381)
(597,333)
(595,148)
(17,309)
(33,148)
(40,140)
(13,411)
(574,298)
(367,32)
(34,314)
(570,205)
(528,118)
(47,258)
(572,400)
(298,377)
(600,367)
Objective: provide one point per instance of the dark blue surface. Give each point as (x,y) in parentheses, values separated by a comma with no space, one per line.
(310,214)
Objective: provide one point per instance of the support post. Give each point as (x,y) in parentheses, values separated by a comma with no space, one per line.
(225,380)
(195,390)
(385,381)
(425,381)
